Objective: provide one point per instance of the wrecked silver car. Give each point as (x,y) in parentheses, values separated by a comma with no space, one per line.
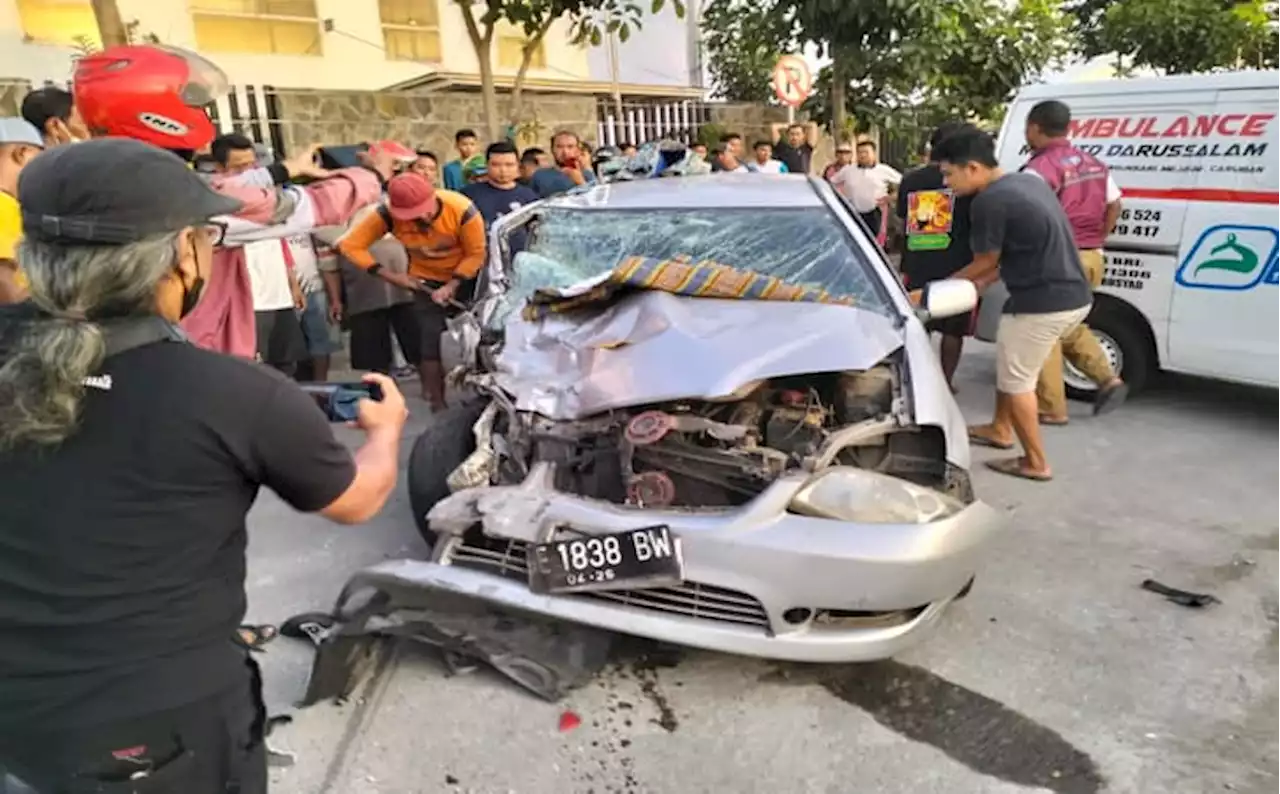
(703,411)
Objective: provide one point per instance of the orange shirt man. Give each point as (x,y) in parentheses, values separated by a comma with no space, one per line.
(443,233)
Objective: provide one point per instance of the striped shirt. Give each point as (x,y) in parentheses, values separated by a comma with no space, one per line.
(450,245)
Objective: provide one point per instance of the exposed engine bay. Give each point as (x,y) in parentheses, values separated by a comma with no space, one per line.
(714,453)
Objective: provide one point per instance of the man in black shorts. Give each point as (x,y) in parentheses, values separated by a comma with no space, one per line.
(443,233)
(936,227)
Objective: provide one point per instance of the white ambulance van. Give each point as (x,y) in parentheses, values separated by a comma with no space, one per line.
(1191,270)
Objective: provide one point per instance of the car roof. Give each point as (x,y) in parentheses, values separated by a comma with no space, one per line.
(708,191)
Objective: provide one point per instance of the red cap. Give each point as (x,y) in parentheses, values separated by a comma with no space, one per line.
(394,148)
(410,196)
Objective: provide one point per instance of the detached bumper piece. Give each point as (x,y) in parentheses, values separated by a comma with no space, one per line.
(548,657)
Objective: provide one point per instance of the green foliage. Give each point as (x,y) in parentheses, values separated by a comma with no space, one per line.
(1184,36)
(993,48)
(743,43)
(709,134)
(1086,16)
(590,20)
(912,63)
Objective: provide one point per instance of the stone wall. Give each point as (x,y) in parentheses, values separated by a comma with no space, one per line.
(755,122)
(426,120)
(429,120)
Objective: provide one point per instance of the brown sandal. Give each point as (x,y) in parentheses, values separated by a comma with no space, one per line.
(980,440)
(1016,467)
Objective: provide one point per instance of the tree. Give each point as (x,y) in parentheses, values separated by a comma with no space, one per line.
(590,21)
(1185,36)
(874,45)
(111,29)
(991,49)
(913,63)
(743,42)
(1087,21)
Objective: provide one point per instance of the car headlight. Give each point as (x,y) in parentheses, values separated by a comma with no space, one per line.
(867,497)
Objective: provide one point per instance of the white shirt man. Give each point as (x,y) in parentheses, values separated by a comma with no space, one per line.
(860,186)
(280,340)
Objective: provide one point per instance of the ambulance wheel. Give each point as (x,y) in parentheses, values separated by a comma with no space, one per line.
(443,445)
(1126,340)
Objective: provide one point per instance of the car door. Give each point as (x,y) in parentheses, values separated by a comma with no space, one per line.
(1224,313)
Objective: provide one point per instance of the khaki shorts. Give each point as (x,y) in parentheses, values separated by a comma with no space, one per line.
(1023,343)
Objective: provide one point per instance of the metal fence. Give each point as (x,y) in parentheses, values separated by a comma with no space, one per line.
(637,122)
(252,111)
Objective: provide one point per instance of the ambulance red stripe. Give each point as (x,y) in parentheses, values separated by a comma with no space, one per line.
(1204,194)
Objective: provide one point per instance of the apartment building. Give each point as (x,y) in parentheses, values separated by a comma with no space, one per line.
(318,44)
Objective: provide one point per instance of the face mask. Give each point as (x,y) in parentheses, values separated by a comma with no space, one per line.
(191,295)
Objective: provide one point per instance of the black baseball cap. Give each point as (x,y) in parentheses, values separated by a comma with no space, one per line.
(113,191)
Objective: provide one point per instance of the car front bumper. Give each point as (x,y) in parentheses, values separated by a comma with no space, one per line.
(759,580)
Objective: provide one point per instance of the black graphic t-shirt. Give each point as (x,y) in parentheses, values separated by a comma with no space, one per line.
(122,550)
(935,223)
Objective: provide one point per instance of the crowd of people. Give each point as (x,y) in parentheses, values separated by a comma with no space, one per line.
(133,446)
(305,287)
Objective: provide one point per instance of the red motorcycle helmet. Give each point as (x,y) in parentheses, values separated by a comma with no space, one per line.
(155,94)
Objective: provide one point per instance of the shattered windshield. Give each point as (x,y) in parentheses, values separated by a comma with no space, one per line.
(802,246)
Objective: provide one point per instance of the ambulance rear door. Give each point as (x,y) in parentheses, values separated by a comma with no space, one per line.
(1224,316)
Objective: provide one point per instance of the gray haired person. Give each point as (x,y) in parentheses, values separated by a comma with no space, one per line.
(130,461)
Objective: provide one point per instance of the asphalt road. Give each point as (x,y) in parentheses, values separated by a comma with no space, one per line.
(1058,673)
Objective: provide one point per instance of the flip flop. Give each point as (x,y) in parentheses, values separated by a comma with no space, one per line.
(1014,468)
(1049,421)
(979,440)
(1110,399)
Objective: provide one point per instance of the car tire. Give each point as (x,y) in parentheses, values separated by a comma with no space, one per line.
(441,448)
(1116,324)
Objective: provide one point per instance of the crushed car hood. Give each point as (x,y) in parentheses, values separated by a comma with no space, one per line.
(653,346)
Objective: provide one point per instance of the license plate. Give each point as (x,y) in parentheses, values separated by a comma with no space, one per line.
(646,557)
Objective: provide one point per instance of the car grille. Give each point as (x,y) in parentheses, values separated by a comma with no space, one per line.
(689,599)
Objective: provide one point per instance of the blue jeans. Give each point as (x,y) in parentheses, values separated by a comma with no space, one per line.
(321,340)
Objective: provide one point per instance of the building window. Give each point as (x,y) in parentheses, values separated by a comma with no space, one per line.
(59,22)
(410,29)
(511,50)
(260,27)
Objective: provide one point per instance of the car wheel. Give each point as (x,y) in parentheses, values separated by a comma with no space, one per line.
(441,448)
(1128,348)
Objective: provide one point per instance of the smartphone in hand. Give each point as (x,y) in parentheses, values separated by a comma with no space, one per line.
(340,401)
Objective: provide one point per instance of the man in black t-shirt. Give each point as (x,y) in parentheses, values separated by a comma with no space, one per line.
(128,473)
(1019,233)
(501,192)
(936,232)
(793,146)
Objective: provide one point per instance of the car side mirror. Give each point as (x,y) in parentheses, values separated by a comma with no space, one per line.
(947,298)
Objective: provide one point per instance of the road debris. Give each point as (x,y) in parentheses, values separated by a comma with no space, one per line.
(1184,598)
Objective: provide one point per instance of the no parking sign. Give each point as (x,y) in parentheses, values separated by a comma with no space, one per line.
(792,80)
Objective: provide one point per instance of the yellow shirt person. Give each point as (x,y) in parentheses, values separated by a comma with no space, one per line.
(19,142)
